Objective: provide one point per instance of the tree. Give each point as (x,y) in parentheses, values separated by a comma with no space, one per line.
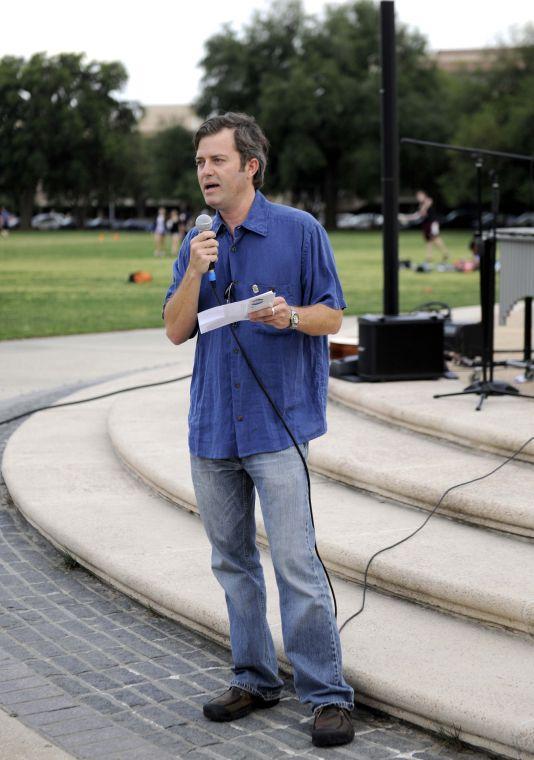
(313,83)
(172,171)
(62,127)
(496,112)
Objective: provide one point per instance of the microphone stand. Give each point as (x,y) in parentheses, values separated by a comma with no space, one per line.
(486,247)
(488,386)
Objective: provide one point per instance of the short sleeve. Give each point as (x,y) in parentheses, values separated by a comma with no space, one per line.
(320,281)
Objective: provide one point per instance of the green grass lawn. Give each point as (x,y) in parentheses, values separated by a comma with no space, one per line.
(77,282)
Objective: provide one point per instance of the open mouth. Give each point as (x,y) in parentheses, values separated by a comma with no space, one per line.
(211,186)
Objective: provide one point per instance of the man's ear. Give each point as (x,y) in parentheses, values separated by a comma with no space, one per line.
(253,166)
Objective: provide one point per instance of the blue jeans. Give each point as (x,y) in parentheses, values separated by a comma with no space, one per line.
(224,490)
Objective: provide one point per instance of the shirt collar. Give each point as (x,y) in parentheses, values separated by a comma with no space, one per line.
(256,220)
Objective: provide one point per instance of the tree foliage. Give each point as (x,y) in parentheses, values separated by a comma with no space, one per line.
(62,128)
(495,111)
(172,168)
(313,83)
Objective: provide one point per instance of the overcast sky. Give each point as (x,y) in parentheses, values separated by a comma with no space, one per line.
(161,42)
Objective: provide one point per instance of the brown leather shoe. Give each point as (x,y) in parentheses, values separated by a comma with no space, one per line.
(235,703)
(332,726)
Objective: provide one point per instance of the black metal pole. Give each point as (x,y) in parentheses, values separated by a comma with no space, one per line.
(390,158)
(495,200)
(481,248)
(527,345)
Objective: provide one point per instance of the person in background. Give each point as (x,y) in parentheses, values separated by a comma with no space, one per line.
(426,214)
(173,227)
(4,221)
(160,230)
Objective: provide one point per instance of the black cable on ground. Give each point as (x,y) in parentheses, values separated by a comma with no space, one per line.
(93,398)
(432,512)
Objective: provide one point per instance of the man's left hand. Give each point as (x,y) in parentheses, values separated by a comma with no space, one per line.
(276,316)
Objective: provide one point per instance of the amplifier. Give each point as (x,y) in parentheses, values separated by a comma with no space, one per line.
(401,347)
(464,338)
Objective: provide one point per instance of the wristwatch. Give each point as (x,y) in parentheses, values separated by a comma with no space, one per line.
(293,319)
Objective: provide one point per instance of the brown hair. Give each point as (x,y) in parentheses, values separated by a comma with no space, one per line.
(250,142)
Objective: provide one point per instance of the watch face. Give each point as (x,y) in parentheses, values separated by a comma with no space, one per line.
(294,319)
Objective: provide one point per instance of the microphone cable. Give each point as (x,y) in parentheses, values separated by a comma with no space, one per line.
(288,431)
(93,398)
(425,521)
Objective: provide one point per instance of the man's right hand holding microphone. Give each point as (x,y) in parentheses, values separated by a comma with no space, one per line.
(204,249)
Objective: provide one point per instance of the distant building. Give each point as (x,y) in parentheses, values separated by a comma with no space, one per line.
(157,118)
(465,60)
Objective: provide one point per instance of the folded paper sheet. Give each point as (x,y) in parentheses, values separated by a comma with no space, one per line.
(218,316)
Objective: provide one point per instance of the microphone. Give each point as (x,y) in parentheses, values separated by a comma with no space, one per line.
(203,224)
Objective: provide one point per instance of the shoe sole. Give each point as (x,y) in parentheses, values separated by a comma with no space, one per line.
(327,740)
(223,716)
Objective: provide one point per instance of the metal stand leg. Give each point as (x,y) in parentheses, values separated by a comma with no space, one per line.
(526,362)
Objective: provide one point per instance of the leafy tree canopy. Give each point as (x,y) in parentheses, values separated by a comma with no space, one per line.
(62,126)
(313,84)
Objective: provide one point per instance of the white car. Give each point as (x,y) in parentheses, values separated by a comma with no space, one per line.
(367,221)
(52,221)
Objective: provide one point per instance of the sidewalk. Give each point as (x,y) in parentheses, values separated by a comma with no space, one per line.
(87,669)
(21,743)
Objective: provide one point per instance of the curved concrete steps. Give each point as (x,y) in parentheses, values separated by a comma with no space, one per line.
(418,469)
(436,670)
(502,426)
(454,567)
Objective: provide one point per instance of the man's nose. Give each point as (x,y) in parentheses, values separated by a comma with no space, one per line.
(206,169)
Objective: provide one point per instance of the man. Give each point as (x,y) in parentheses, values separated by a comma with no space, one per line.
(236,441)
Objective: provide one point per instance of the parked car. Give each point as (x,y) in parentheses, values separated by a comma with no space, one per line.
(98,223)
(367,221)
(466,219)
(134,225)
(523,220)
(52,221)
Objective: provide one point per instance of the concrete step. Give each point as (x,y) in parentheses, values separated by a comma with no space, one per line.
(454,567)
(417,469)
(501,427)
(438,671)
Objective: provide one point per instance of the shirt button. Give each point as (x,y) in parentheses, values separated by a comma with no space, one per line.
(237,385)
(233,249)
(236,350)
(240,418)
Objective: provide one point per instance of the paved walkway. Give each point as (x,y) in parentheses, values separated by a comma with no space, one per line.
(84,668)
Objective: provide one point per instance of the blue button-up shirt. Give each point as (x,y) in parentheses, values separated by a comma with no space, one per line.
(288,251)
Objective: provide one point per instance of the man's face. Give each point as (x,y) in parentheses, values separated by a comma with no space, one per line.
(223,182)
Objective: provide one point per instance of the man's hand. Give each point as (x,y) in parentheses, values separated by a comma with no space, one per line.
(277,316)
(203,250)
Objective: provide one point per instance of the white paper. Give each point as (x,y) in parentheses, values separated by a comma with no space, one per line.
(219,316)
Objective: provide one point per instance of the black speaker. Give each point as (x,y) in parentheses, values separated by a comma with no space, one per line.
(401,347)
(464,338)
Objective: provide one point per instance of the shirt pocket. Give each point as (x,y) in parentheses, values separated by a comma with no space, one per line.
(284,289)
